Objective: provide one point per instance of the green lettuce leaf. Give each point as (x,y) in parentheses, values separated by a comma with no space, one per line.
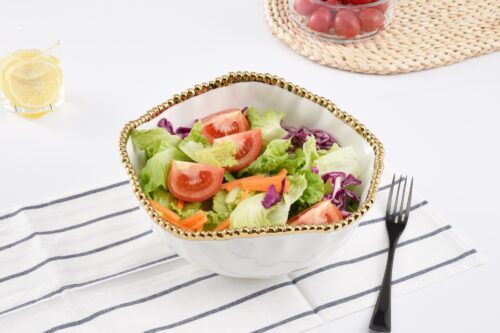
(159,146)
(212,221)
(163,197)
(219,205)
(154,174)
(295,161)
(143,138)
(302,158)
(343,159)
(167,200)
(314,191)
(310,152)
(220,154)
(269,122)
(195,135)
(279,215)
(312,194)
(233,197)
(272,160)
(251,213)
(189,209)
(225,202)
(228,176)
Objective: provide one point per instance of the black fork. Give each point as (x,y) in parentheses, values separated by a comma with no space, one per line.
(395,221)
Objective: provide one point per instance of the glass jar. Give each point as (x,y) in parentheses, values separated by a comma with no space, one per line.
(30,73)
(342,21)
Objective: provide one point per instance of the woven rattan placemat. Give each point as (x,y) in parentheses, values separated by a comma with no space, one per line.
(424,34)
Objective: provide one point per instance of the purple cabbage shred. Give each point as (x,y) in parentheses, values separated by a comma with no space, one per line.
(182,132)
(340,196)
(324,140)
(167,125)
(272,198)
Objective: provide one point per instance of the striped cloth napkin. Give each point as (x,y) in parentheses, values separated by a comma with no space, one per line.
(89,262)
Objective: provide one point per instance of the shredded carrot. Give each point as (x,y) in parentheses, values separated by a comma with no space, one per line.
(258,183)
(199,225)
(224,225)
(167,213)
(193,220)
(178,224)
(287,185)
(234,183)
(180,204)
(283,172)
(263,184)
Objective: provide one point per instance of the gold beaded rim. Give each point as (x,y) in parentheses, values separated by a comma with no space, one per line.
(224,81)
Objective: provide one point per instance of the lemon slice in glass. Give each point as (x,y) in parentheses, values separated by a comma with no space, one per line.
(18,56)
(31,79)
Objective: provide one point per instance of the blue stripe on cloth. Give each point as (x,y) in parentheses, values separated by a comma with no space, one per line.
(142,300)
(363,293)
(71,227)
(86,283)
(221,308)
(74,255)
(64,199)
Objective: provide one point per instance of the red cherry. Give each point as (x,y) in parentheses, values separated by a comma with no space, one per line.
(346,24)
(305,7)
(320,20)
(371,19)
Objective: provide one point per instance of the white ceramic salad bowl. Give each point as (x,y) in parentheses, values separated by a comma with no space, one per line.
(270,251)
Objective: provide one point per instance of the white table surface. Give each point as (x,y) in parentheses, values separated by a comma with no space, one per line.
(122,57)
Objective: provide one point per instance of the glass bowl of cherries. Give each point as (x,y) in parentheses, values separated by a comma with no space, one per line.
(343,20)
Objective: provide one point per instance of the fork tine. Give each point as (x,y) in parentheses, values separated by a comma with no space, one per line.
(388,209)
(401,208)
(408,205)
(395,210)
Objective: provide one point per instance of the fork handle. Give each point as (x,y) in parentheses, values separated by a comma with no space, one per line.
(381,318)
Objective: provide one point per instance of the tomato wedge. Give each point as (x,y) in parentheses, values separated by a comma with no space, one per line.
(194,182)
(321,213)
(224,123)
(248,144)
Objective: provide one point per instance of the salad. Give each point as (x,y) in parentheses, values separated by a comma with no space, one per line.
(242,168)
